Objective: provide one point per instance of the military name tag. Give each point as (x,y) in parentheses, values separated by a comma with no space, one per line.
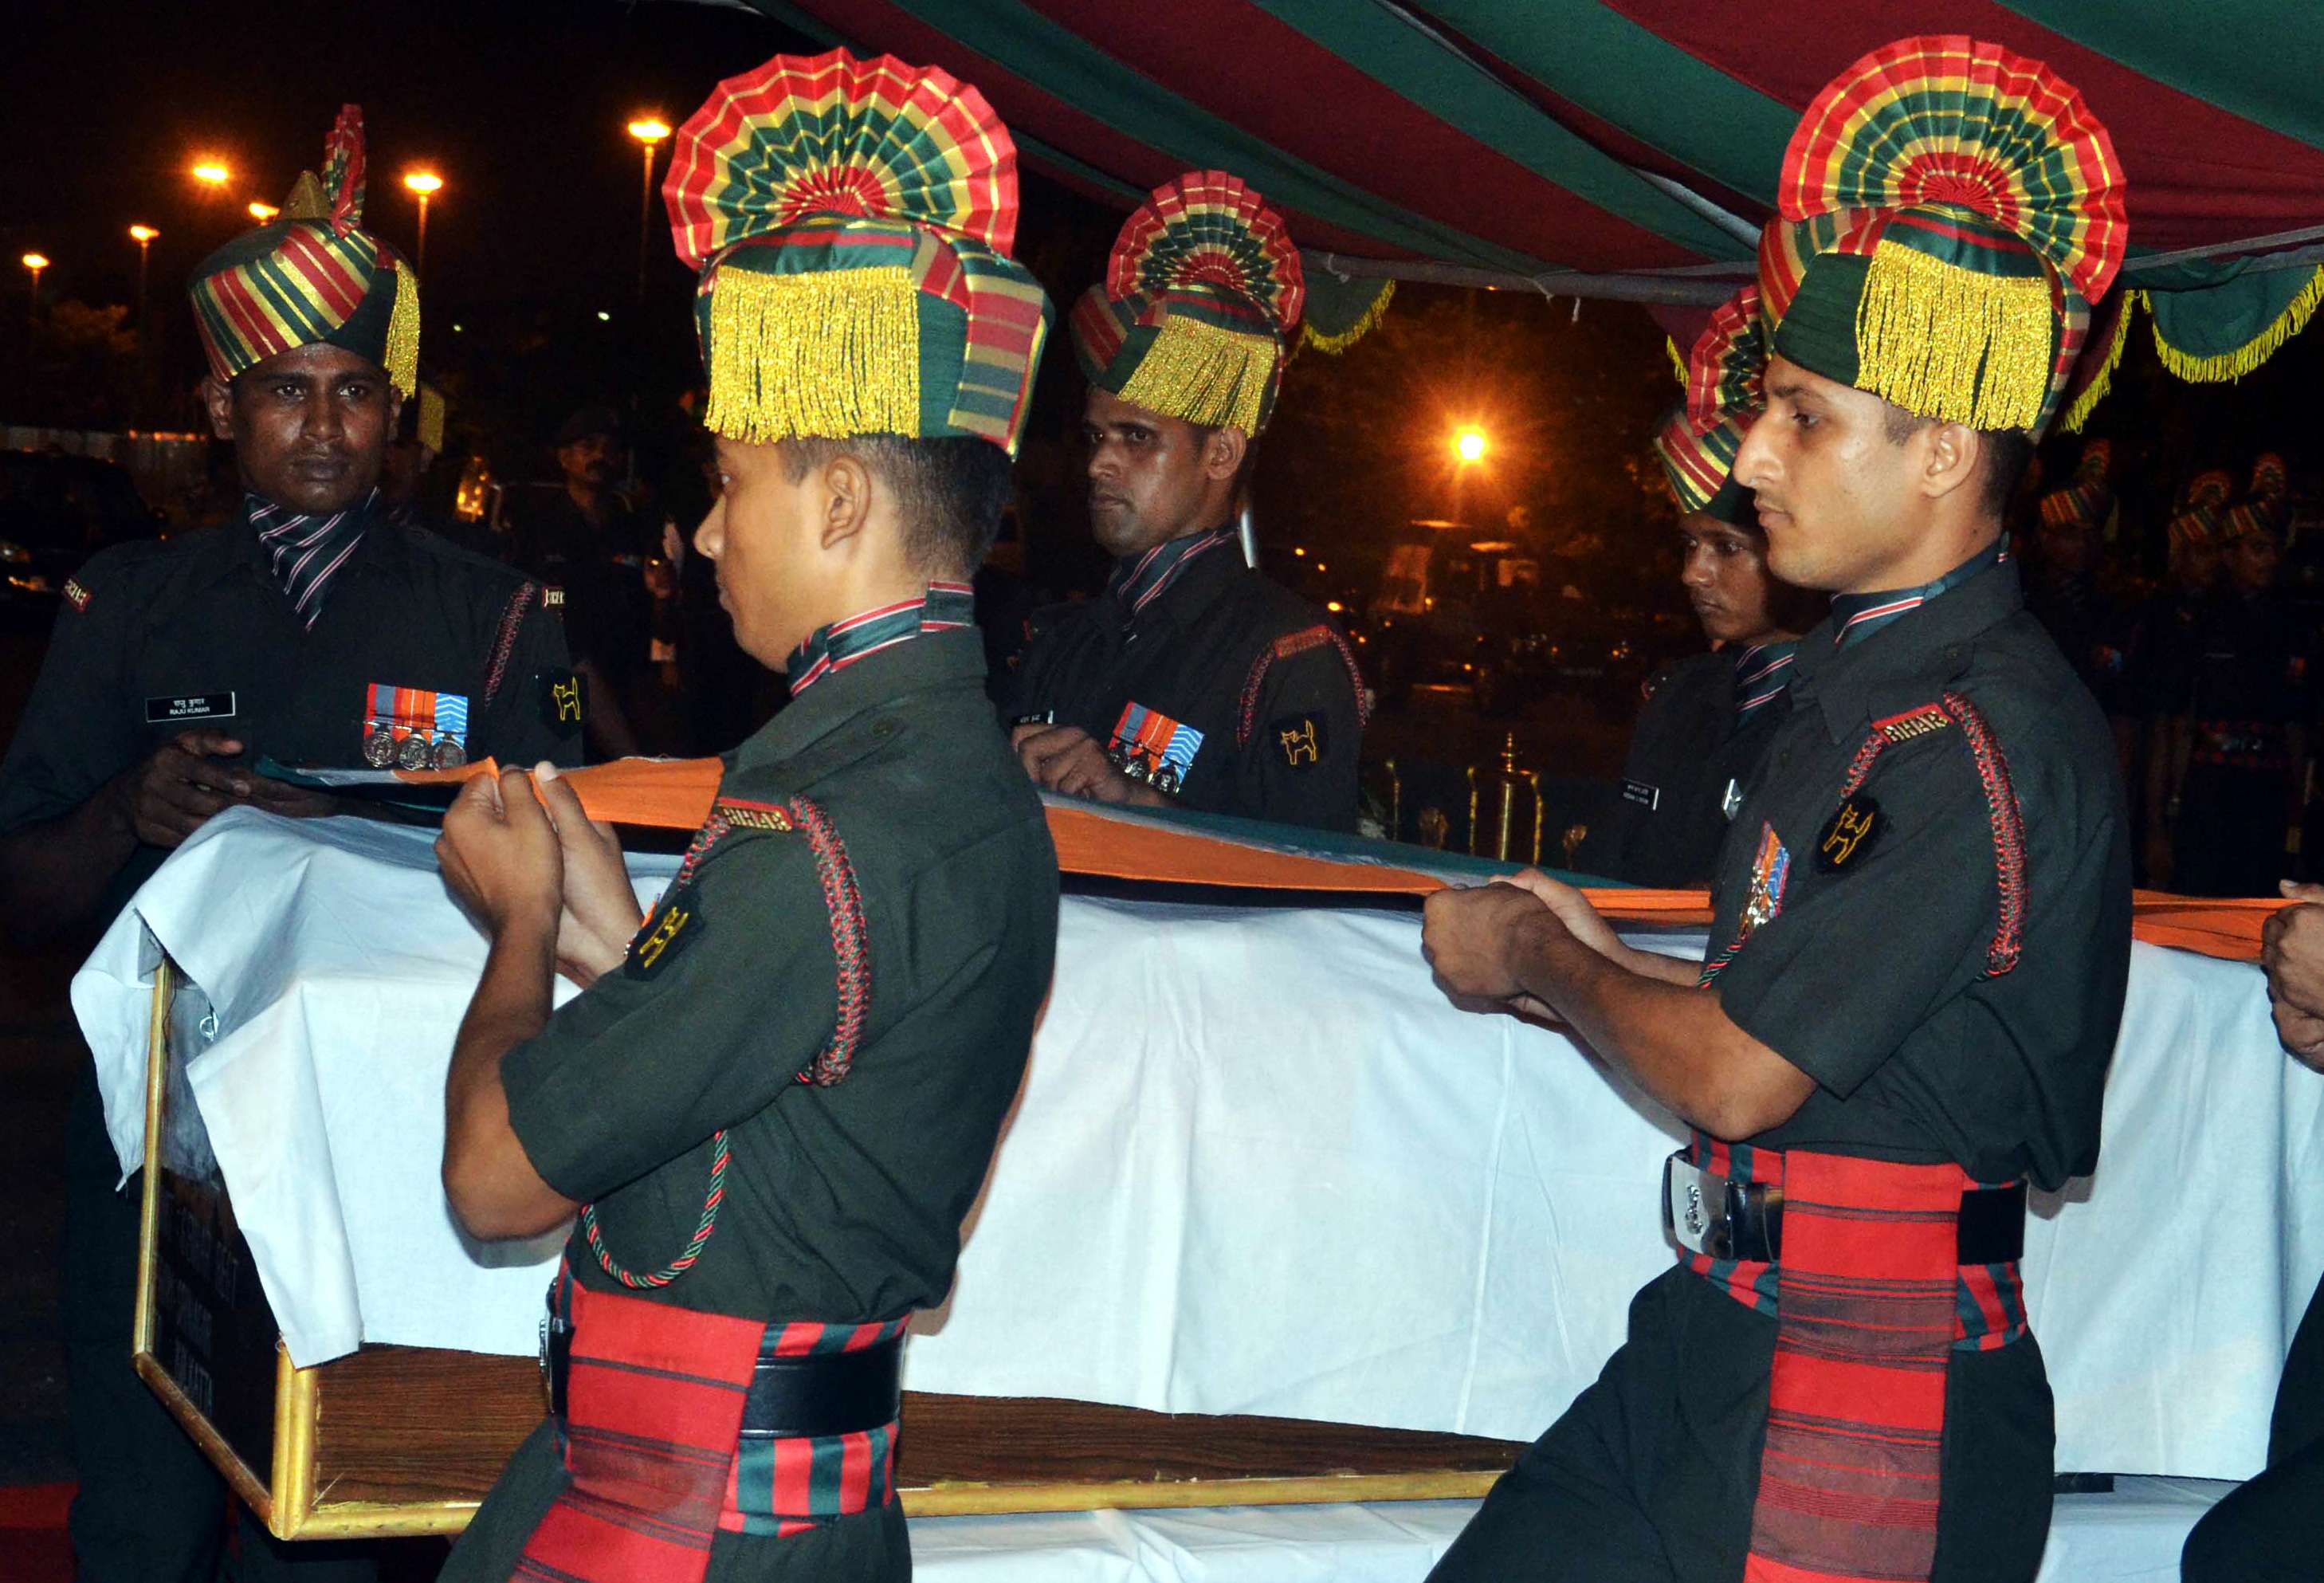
(1849,835)
(196,706)
(672,928)
(1649,798)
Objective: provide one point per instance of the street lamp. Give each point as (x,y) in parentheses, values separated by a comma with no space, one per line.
(143,236)
(649,130)
(1467,450)
(422,183)
(212,172)
(36,263)
(262,212)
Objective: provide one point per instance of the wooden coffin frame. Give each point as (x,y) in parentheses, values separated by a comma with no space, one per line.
(400,1441)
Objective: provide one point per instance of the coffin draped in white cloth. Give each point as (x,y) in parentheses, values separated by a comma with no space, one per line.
(1259,1165)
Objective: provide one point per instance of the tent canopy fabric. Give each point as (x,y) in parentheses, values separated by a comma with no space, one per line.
(1629,148)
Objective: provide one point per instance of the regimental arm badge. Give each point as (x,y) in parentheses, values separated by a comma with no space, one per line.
(1152,748)
(76,595)
(673,926)
(1300,738)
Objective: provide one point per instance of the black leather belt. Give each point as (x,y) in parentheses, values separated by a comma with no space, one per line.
(808,1397)
(1710,1215)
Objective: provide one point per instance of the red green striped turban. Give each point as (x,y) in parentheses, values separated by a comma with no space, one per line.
(312,276)
(1948,213)
(2265,509)
(1696,444)
(2088,498)
(1202,294)
(2199,519)
(852,221)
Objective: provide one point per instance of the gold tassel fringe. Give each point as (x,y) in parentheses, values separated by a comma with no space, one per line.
(814,357)
(1201,374)
(403,331)
(2234,365)
(1678,362)
(2075,416)
(1943,342)
(1336,344)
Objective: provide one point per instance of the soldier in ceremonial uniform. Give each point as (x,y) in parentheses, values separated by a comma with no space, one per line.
(778,1096)
(1707,719)
(1920,929)
(2240,711)
(1192,680)
(2166,641)
(312,630)
(2066,595)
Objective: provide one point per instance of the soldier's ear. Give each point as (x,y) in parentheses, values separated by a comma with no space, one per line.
(217,397)
(1949,456)
(1222,453)
(846,502)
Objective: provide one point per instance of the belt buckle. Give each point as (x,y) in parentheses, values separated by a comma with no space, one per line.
(555,1344)
(1694,1206)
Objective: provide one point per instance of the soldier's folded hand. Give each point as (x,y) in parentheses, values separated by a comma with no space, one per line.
(500,854)
(600,911)
(176,791)
(1478,939)
(1069,759)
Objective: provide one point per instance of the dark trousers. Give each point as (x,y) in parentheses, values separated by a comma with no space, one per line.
(1650,1475)
(2231,832)
(149,1508)
(2268,1531)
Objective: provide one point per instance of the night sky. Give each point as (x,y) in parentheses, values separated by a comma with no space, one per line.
(520,104)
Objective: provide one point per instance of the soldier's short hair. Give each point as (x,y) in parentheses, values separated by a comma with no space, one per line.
(950,492)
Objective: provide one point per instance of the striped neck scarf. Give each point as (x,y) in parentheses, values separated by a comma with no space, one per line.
(1140,582)
(305,553)
(944,607)
(1857,616)
(1762,671)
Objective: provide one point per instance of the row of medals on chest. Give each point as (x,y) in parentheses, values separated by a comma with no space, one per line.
(383,749)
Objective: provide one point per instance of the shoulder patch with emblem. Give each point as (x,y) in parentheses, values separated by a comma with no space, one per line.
(1849,834)
(564,700)
(743,814)
(1301,739)
(674,925)
(76,595)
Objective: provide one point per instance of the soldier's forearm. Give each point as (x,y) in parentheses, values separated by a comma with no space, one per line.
(488,1178)
(1676,1040)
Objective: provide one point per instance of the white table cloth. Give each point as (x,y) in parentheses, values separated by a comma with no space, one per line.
(1259,1166)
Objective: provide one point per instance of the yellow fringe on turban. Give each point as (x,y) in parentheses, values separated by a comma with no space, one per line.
(821,356)
(403,332)
(1201,374)
(1948,343)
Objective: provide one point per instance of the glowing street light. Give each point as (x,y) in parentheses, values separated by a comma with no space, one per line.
(262,212)
(1469,445)
(649,130)
(36,263)
(212,171)
(143,236)
(422,183)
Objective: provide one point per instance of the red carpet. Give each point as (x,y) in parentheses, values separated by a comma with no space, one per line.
(33,1548)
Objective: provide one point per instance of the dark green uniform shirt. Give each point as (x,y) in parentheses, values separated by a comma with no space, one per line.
(1874,976)
(842,1203)
(1263,682)
(1688,751)
(161,636)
